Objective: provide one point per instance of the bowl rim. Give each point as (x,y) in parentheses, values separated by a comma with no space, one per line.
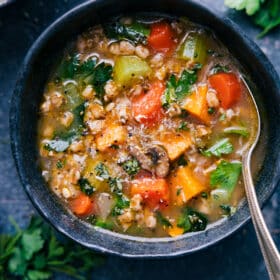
(15,139)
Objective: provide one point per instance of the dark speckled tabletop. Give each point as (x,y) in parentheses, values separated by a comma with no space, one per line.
(237,257)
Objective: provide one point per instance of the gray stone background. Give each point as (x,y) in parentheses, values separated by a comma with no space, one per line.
(237,257)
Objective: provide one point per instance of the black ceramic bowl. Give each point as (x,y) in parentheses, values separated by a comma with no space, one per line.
(28,94)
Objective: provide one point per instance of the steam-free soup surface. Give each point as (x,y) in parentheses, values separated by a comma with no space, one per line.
(143,125)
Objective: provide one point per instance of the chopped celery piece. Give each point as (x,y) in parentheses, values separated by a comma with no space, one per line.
(130,68)
(241,130)
(194,48)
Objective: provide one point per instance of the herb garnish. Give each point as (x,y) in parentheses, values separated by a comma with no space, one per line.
(265,13)
(35,253)
(176,90)
(221,147)
(131,166)
(226,175)
(191,220)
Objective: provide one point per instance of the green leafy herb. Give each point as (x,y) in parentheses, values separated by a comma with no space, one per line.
(183,126)
(86,187)
(177,90)
(102,171)
(122,202)
(115,185)
(226,175)
(162,220)
(131,166)
(211,111)
(240,130)
(251,6)
(178,192)
(182,161)
(219,69)
(35,253)
(191,220)
(222,147)
(102,74)
(57,145)
(204,195)
(265,13)
(227,209)
(135,32)
(64,138)
(60,164)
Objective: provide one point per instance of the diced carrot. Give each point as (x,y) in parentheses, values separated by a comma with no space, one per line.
(161,37)
(175,230)
(146,107)
(196,104)
(81,205)
(228,88)
(154,192)
(175,143)
(184,185)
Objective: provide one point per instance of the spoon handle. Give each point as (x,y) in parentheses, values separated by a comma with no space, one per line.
(267,245)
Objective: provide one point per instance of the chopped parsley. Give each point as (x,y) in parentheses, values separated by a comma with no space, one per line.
(204,195)
(86,187)
(115,185)
(219,69)
(182,161)
(227,209)
(135,32)
(131,166)
(162,220)
(122,202)
(211,111)
(102,171)
(183,126)
(222,147)
(176,90)
(191,220)
(226,175)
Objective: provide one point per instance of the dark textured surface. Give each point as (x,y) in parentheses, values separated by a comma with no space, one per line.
(238,257)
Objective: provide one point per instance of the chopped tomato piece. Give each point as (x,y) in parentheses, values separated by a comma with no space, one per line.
(154,192)
(228,88)
(146,107)
(161,37)
(81,205)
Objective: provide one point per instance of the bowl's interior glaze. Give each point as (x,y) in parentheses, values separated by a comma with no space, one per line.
(28,93)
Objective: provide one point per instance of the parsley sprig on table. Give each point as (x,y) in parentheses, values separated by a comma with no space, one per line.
(35,253)
(265,13)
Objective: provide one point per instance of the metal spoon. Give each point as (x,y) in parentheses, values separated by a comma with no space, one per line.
(267,245)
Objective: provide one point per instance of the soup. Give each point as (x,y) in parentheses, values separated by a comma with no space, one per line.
(143,125)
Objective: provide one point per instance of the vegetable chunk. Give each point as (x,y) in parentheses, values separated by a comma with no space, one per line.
(184,185)
(81,205)
(146,107)
(129,69)
(161,37)
(154,192)
(114,134)
(194,48)
(228,88)
(196,104)
(175,144)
